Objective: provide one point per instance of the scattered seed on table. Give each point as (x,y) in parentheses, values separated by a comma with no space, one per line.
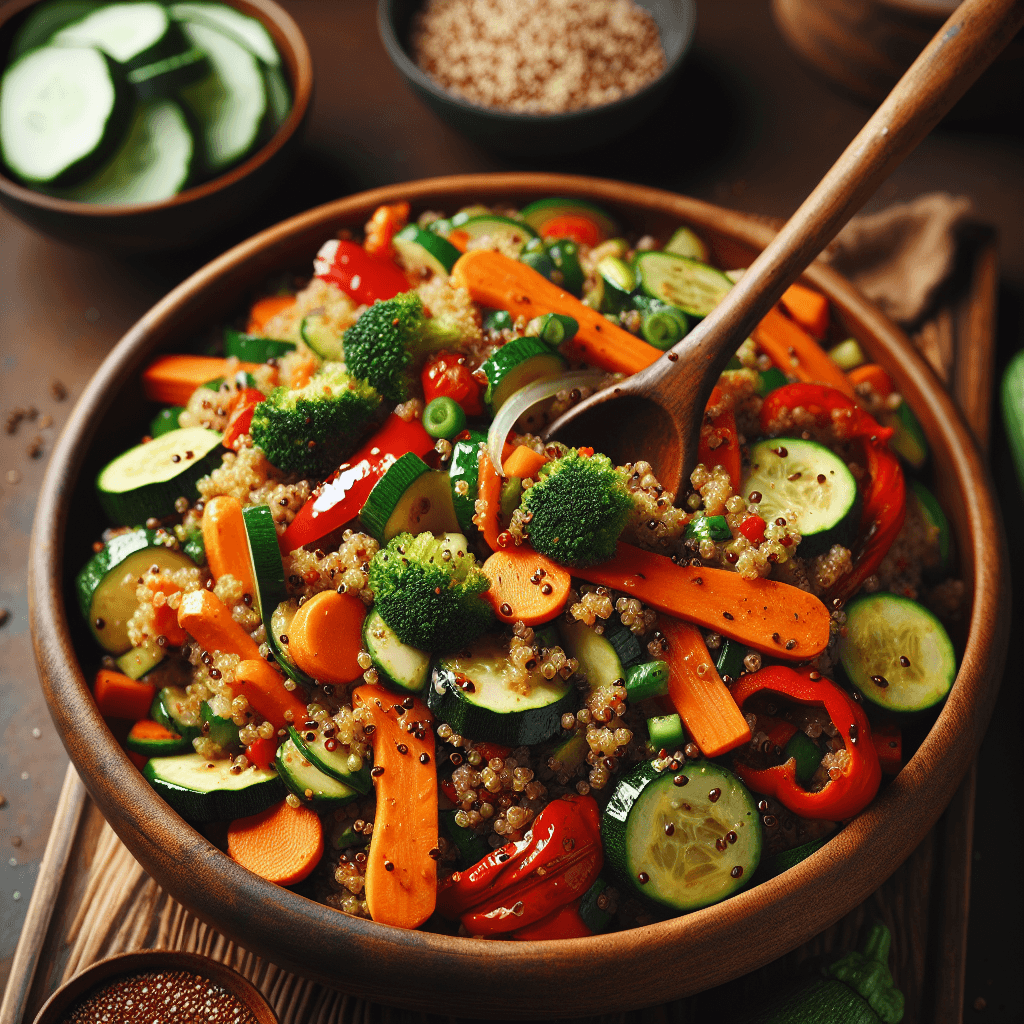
(13,476)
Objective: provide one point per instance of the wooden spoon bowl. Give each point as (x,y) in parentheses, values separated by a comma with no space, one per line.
(442,974)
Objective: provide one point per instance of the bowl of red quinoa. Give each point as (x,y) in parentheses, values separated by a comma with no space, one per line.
(450,974)
(539,77)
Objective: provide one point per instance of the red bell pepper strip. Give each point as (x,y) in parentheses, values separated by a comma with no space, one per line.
(884,490)
(261,752)
(888,740)
(446,375)
(356,272)
(563,923)
(523,882)
(343,494)
(719,443)
(386,222)
(580,228)
(241,418)
(855,783)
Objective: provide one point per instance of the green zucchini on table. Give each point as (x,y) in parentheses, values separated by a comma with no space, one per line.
(683,838)
(469,691)
(107,583)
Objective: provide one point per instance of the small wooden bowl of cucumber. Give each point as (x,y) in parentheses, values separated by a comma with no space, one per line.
(430,970)
(146,126)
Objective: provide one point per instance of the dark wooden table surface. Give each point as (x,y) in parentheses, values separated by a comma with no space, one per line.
(746,127)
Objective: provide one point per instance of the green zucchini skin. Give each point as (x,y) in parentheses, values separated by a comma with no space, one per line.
(310,743)
(399,666)
(465,466)
(313,787)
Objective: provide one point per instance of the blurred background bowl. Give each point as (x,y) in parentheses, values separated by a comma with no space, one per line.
(468,977)
(197,213)
(540,136)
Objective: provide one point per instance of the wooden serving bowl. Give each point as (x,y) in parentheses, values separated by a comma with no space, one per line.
(197,213)
(469,977)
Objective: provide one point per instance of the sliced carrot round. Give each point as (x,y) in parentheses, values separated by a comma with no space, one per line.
(281,844)
(326,636)
(525,586)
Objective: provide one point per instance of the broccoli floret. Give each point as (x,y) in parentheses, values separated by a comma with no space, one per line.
(384,344)
(428,590)
(577,509)
(311,429)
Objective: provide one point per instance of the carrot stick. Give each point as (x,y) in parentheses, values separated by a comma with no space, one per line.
(326,636)
(147,729)
(118,696)
(489,492)
(264,688)
(386,222)
(172,379)
(719,443)
(165,619)
(526,586)
(781,620)
(873,374)
(206,617)
(225,540)
(499,282)
(401,874)
(264,310)
(796,353)
(459,238)
(523,462)
(703,701)
(281,844)
(808,308)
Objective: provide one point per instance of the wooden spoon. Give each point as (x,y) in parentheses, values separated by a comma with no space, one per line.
(656,414)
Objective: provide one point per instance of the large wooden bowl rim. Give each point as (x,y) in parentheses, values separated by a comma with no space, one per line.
(296,57)
(450,975)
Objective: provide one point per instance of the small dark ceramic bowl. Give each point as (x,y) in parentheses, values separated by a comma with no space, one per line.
(469,977)
(541,135)
(197,213)
(127,965)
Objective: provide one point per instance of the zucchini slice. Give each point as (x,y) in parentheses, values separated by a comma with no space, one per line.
(147,480)
(619,283)
(44,20)
(470,691)
(201,790)
(538,213)
(251,348)
(806,478)
(896,653)
(106,585)
(666,732)
(685,243)
(689,284)
(137,661)
(420,250)
(132,33)
(513,366)
(63,111)
(409,498)
(683,839)
(321,337)
(312,786)
(331,760)
(143,739)
(170,709)
(249,32)
(464,469)
(399,665)
(500,233)
(604,658)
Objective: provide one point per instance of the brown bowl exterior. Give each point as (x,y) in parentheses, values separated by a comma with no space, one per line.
(55,1010)
(197,213)
(470,977)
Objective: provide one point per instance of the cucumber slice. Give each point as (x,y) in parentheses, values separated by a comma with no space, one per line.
(230,102)
(170,709)
(106,585)
(201,790)
(155,746)
(513,366)
(689,284)
(147,479)
(222,731)
(598,659)
(896,653)
(301,777)
(137,661)
(63,111)
(470,692)
(164,77)
(648,679)
(464,469)
(666,732)
(333,761)
(682,839)
(43,20)
(247,31)
(420,251)
(538,213)
(409,498)
(322,338)
(806,478)
(251,348)
(685,243)
(500,233)
(619,282)
(152,164)
(399,665)
(132,33)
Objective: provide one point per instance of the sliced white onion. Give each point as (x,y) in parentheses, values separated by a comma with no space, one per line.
(526,398)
